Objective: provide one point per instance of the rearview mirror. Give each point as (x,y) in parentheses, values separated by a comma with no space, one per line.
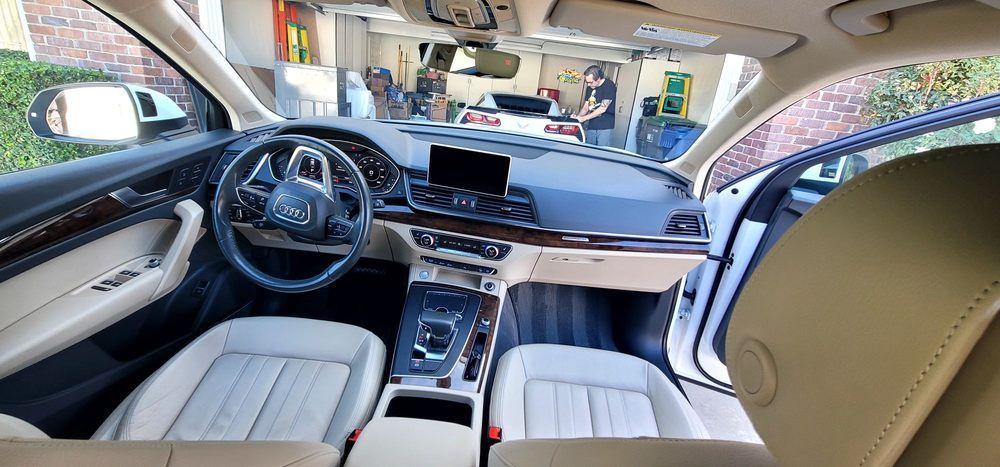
(471,61)
(103,113)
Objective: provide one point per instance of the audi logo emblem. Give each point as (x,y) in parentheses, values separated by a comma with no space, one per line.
(292,209)
(294,213)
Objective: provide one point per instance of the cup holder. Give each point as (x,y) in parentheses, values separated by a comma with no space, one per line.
(441,410)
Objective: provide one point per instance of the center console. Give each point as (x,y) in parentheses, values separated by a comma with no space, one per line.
(445,336)
(431,412)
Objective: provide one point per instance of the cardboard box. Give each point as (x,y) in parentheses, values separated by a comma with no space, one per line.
(439,114)
(378,84)
(398,110)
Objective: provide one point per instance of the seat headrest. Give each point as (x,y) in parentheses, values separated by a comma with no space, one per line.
(856,323)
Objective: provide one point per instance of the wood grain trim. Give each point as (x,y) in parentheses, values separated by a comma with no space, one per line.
(489,308)
(68,225)
(530,236)
(60,228)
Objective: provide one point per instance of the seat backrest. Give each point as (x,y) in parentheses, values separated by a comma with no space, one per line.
(867,334)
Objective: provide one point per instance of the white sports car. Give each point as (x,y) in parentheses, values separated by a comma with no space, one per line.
(522,113)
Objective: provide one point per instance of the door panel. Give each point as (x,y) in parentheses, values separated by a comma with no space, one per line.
(68,298)
(70,352)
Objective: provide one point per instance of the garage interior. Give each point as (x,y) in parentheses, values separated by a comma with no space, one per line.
(331,55)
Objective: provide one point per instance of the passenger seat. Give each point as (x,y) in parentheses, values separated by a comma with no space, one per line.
(558,392)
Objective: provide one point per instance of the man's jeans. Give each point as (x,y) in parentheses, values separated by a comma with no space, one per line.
(599,137)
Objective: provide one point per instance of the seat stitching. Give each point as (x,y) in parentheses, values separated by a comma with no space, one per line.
(247,395)
(284,401)
(590,409)
(256,418)
(555,413)
(126,421)
(572,415)
(927,368)
(305,397)
(628,424)
(355,418)
(218,410)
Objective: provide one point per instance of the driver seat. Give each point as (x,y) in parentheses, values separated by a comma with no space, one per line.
(261,378)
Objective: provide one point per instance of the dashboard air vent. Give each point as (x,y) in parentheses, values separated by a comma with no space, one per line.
(261,136)
(431,196)
(685,224)
(515,206)
(678,192)
(512,207)
(249,170)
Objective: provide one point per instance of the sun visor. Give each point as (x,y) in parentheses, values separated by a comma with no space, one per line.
(638,23)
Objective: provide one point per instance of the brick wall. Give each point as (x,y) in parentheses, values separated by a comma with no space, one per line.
(830,113)
(70,32)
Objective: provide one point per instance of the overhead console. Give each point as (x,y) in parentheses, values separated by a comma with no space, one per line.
(487,16)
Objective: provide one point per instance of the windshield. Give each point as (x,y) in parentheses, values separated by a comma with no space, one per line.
(363,61)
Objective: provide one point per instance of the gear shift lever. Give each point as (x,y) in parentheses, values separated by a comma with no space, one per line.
(442,325)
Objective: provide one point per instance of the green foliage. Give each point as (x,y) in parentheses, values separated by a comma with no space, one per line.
(20,80)
(917,89)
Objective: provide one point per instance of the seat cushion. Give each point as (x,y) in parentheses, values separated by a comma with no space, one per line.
(558,391)
(265,378)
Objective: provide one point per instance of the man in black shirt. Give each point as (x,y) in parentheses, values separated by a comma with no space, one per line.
(598,108)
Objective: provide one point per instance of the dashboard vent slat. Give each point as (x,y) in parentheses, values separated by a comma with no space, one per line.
(678,192)
(249,170)
(514,207)
(685,225)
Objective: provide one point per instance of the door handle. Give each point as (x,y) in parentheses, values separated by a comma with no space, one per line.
(175,262)
(131,198)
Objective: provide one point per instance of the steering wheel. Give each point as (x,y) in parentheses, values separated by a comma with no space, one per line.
(310,209)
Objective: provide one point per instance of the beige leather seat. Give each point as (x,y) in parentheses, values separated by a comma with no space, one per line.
(884,353)
(559,391)
(264,378)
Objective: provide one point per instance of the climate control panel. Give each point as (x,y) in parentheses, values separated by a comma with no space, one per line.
(462,246)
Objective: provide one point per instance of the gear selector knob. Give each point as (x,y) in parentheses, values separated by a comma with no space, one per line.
(442,325)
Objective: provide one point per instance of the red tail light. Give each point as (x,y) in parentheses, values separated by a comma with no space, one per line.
(481,119)
(562,129)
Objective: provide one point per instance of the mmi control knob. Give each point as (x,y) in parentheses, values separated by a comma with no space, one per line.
(491,251)
(427,240)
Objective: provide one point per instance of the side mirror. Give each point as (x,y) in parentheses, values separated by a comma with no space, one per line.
(103,113)
(470,61)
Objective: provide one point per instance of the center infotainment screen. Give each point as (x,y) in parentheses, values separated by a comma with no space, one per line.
(462,169)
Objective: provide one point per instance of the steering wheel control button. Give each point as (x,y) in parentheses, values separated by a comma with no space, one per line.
(337,228)
(252,199)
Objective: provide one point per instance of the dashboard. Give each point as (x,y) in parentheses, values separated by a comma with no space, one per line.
(469,203)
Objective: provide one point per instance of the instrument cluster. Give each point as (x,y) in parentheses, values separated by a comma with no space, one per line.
(379,172)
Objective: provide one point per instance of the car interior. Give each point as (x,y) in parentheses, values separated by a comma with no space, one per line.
(326,291)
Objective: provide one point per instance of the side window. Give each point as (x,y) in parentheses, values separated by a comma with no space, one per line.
(824,177)
(68,41)
(859,103)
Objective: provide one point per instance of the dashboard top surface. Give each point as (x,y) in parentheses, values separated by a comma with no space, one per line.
(565,187)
